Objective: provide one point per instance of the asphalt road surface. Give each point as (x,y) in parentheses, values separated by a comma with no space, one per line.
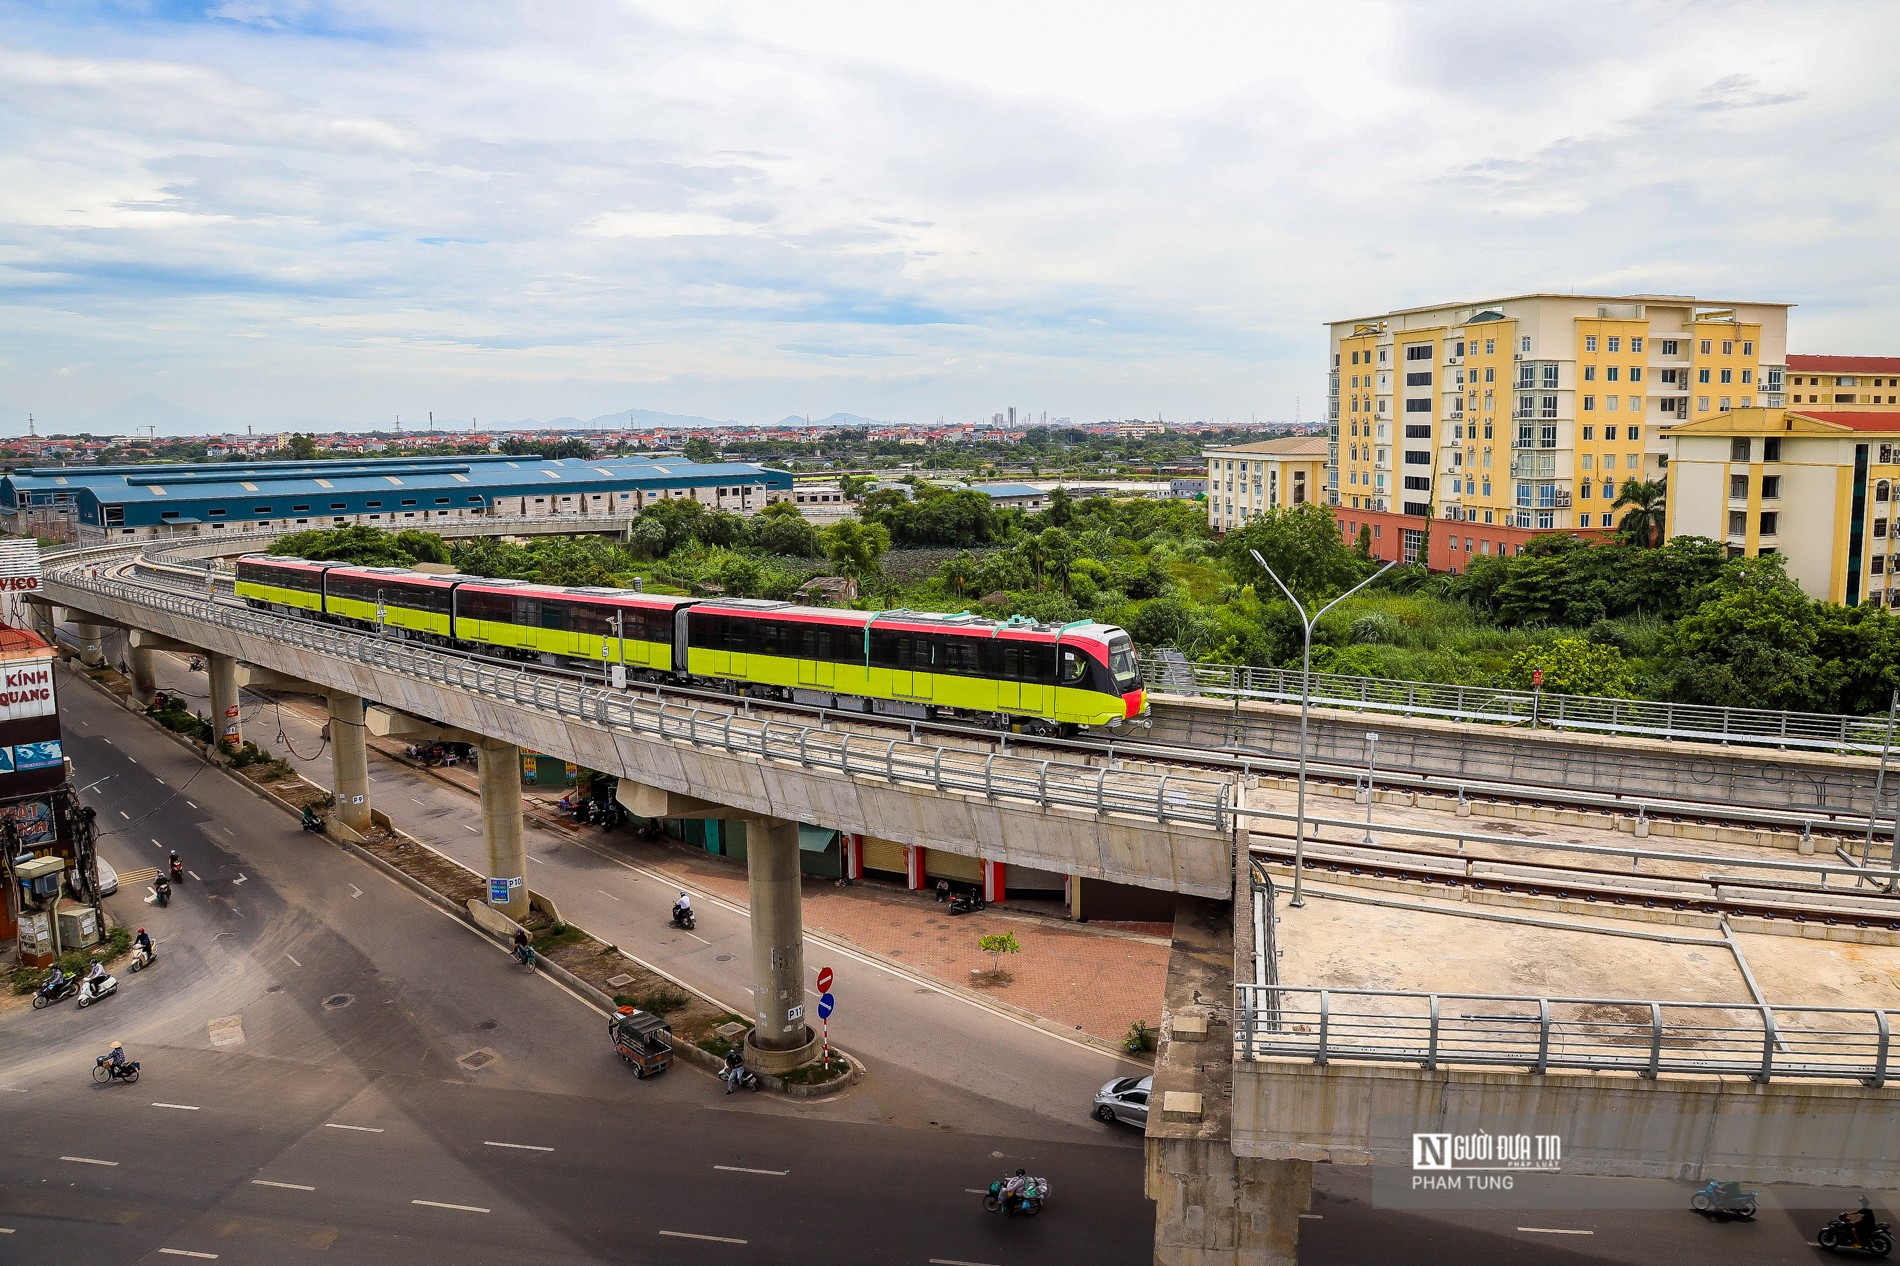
(337,1072)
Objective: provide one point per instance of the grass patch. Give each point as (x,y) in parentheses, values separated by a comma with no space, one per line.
(659,1002)
(816,1074)
(556,936)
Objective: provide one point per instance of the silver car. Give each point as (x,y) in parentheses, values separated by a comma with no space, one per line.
(1125,1099)
(108,878)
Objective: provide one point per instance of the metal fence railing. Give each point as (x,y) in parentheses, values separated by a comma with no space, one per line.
(1165,673)
(1647,1037)
(1155,797)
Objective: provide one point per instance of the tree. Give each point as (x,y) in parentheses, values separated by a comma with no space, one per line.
(1061,510)
(1642,523)
(781,529)
(1754,643)
(423,547)
(548,448)
(365,546)
(1576,666)
(699,449)
(855,548)
(997,944)
(1301,543)
(303,448)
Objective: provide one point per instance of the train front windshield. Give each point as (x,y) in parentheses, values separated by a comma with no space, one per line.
(1121,662)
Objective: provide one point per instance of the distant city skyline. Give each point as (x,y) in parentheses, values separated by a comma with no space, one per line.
(306,213)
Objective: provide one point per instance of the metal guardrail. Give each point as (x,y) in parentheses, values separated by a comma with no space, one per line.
(1692,722)
(1641,1036)
(1167,798)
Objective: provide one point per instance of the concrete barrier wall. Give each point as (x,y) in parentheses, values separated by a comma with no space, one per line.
(1611,1124)
(1121,848)
(1609,765)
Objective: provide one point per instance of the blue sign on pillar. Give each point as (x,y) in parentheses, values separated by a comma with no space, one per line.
(501,891)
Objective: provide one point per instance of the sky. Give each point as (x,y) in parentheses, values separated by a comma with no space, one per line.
(301,212)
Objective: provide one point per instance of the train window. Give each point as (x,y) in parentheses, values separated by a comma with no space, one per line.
(960,655)
(1075,667)
(1121,662)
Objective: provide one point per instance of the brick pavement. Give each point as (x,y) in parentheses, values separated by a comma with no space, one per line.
(1098,980)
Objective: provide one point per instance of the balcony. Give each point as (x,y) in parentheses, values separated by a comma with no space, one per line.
(1533,465)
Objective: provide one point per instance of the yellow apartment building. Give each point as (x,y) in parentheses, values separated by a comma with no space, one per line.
(1247,479)
(1818,485)
(1844,382)
(1515,416)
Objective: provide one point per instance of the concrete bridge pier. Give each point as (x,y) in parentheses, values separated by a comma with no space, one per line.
(222,669)
(144,675)
(92,642)
(502,824)
(349,760)
(780,1039)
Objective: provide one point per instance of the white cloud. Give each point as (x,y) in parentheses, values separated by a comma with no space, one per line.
(746,209)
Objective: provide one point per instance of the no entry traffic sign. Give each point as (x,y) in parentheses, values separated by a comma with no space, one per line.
(824,980)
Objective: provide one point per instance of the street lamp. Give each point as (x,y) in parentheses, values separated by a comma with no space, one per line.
(1306,699)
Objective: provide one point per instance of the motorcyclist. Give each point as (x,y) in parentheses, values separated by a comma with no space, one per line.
(310,820)
(162,886)
(1862,1220)
(144,942)
(682,907)
(1013,1187)
(175,863)
(735,1066)
(95,978)
(55,981)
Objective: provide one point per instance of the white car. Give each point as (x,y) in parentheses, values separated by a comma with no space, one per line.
(1125,1099)
(108,878)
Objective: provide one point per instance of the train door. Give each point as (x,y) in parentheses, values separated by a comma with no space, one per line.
(902,678)
(1009,686)
(815,668)
(1037,672)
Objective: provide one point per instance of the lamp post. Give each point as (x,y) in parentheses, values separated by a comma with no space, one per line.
(1306,699)
(1372,749)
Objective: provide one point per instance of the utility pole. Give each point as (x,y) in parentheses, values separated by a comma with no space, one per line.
(29,426)
(432,421)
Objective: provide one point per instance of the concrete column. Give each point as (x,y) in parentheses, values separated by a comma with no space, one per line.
(914,867)
(1213,1208)
(144,675)
(222,670)
(501,825)
(993,889)
(851,845)
(349,761)
(780,1037)
(92,640)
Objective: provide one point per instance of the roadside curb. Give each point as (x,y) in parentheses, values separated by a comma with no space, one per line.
(591,994)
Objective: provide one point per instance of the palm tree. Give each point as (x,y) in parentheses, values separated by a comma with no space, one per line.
(1642,523)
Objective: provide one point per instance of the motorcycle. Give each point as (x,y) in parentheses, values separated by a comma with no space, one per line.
(197,665)
(313,822)
(141,959)
(739,1077)
(1838,1237)
(50,993)
(1028,1202)
(178,871)
(966,903)
(683,919)
(106,987)
(162,890)
(1724,1200)
(104,1070)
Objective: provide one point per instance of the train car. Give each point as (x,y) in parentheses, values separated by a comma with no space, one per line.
(610,626)
(1038,678)
(273,582)
(393,598)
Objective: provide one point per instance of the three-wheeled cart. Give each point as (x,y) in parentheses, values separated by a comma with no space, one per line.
(642,1039)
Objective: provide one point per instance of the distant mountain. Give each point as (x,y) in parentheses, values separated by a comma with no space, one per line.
(836,419)
(648,417)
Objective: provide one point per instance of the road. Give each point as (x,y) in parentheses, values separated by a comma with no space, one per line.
(630,1160)
(337,1072)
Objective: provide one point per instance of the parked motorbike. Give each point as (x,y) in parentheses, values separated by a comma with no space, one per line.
(966,903)
(683,919)
(103,1070)
(739,1077)
(107,986)
(1724,1200)
(141,960)
(50,993)
(1838,1237)
(1028,1203)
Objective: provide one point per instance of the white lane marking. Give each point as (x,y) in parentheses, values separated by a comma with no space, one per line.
(185,1252)
(412,798)
(355,892)
(362,1129)
(975,1191)
(702,940)
(151,896)
(520,1147)
(6,1230)
(182,1107)
(133,759)
(158,780)
(87,1160)
(293,960)
(716,1239)
(740,1169)
(1313,1217)
(192,805)
(240,879)
(194,875)
(287,1186)
(437,1204)
(227,830)
(467,827)
(538,861)
(603,892)
(125,815)
(951,1261)
(156,844)
(108,741)
(1553,1230)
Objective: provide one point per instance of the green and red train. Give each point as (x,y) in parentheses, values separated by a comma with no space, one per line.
(1034,678)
